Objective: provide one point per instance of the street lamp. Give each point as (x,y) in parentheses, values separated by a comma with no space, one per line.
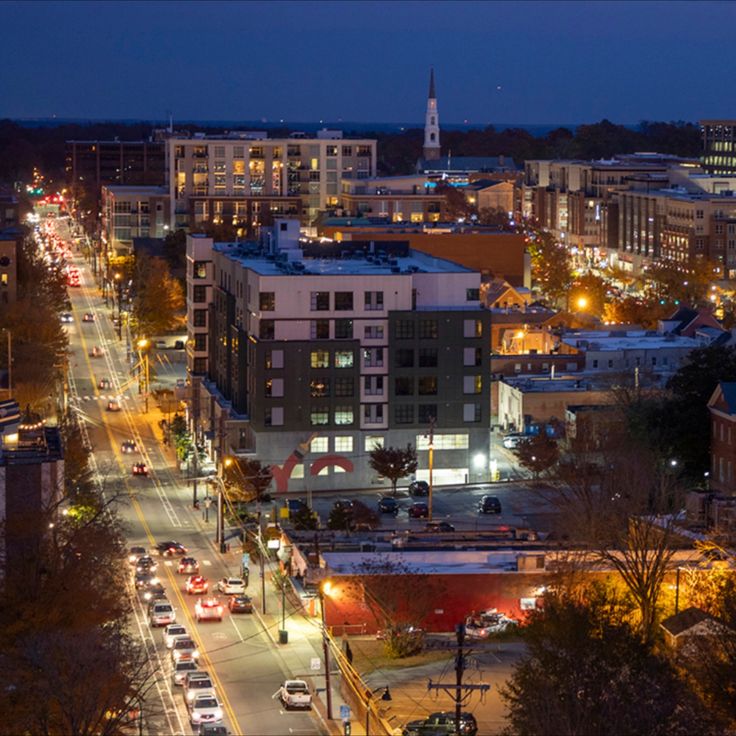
(386,697)
(119,284)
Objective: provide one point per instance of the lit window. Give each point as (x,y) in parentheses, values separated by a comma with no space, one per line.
(320,359)
(343,444)
(343,359)
(319,444)
(344,415)
(372,441)
(319,416)
(443,442)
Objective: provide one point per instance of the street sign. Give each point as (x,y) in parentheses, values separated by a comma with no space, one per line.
(315,663)
(344,712)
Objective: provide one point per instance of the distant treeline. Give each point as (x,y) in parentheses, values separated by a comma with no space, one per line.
(22,148)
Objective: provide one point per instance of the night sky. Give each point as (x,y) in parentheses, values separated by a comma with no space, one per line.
(520,62)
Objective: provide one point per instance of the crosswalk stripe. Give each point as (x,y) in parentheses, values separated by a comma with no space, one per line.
(206,562)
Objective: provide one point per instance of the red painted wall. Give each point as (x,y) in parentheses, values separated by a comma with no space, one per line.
(460,595)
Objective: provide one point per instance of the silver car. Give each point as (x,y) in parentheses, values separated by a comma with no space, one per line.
(171,632)
(181,669)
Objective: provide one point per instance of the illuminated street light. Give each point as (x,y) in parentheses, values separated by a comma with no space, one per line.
(582,302)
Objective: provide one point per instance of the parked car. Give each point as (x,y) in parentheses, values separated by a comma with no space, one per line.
(418,510)
(295,694)
(482,625)
(196,585)
(388,505)
(419,488)
(512,441)
(489,505)
(295,505)
(343,504)
(439,527)
(208,609)
(442,724)
(231,586)
(139,469)
(188,566)
(240,604)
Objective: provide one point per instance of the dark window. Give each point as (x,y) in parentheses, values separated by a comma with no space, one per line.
(472,295)
(199,294)
(320,301)
(404,414)
(343,329)
(427,412)
(200,318)
(373,301)
(427,357)
(343,301)
(320,329)
(427,385)
(267,329)
(267,301)
(200,365)
(200,342)
(404,358)
(404,386)
(319,387)
(344,386)
(427,329)
(405,329)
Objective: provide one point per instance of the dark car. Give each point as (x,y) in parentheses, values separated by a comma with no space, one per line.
(134,553)
(240,604)
(489,505)
(188,566)
(419,488)
(295,505)
(144,580)
(170,549)
(439,527)
(442,724)
(343,504)
(212,729)
(388,505)
(146,564)
(418,510)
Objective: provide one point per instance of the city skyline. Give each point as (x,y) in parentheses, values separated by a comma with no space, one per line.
(619,61)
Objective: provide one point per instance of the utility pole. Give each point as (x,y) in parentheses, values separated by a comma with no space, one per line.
(326,651)
(431,466)
(458,692)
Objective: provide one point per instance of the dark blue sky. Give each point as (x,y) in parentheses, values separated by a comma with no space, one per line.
(521,62)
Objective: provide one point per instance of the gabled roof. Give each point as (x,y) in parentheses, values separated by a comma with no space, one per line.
(726,390)
(681,622)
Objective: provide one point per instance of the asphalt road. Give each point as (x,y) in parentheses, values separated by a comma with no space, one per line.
(245,664)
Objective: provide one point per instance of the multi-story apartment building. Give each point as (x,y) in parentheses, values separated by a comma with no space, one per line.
(253,178)
(719,146)
(571,198)
(132,212)
(92,164)
(319,351)
(393,198)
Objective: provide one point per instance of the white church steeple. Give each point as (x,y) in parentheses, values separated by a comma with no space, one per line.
(431,124)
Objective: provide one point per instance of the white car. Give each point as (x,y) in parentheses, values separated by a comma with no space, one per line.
(512,441)
(205,709)
(67,317)
(184,648)
(197,683)
(295,694)
(208,609)
(181,669)
(231,586)
(171,632)
(162,614)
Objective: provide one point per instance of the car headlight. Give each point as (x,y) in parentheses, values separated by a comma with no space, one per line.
(155,581)
(147,595)
(196,716)
(195,653)
(190,696)
(218,714)
(177,654)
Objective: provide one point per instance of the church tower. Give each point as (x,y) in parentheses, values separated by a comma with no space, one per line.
(431,124)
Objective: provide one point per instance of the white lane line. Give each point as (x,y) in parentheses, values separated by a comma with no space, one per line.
(207,563)
(237,630)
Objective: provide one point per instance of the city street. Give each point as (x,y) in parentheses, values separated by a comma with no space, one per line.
(245,665)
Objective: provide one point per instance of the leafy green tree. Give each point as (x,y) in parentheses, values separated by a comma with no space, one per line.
(250,479)
(305,520)
(587,671)
(393,463)
(340,519)
(550,265)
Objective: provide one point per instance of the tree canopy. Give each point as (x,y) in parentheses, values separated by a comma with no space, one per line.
(393,463)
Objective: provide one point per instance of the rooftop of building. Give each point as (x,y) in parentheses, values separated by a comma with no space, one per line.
(468,163)
(331,258)
(429,228)
(579,383)
(626,340)
(135,189)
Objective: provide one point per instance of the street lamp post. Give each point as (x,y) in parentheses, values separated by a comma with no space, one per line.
(142,345)
(431,467)
(119,283)
(324,589)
